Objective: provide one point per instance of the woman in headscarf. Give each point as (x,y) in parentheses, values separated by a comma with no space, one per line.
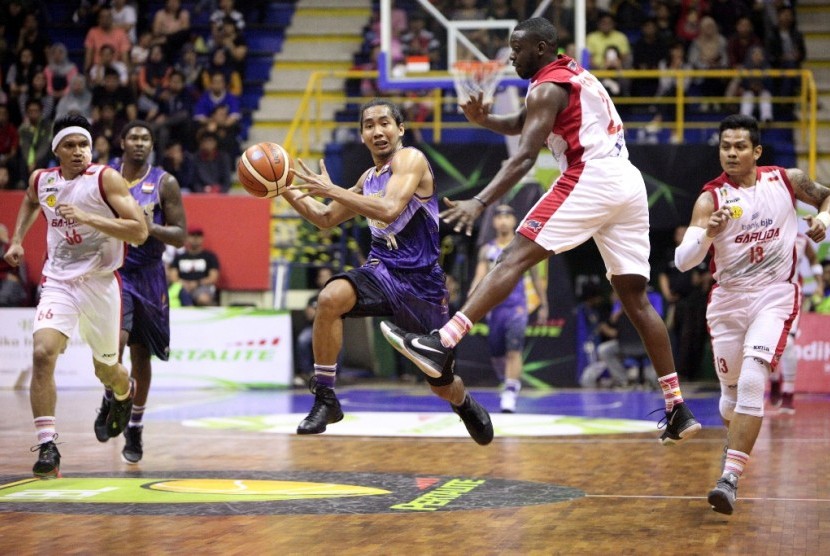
(78,99)
(59,71)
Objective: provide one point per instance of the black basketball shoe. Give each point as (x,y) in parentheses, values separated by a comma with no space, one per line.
(325,411)
(722,498)
(680,425)
(425,350)
(119,414)
(48,464)
(476,419)
(100,425)
(133,447)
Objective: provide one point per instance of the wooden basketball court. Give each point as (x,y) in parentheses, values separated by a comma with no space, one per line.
(268,492)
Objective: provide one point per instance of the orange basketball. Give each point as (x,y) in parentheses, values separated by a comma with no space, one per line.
(264,170)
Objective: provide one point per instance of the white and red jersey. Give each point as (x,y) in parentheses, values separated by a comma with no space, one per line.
(757,247)
(589,127)
(74,249)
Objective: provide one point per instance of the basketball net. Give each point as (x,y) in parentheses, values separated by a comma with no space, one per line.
(473,77)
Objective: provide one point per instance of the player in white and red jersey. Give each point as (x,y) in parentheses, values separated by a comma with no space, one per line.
(89,215)
(747,218)
(599,195)
(782,378)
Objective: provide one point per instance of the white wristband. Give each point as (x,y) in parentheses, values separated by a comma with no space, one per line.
(817,269)
(824,218)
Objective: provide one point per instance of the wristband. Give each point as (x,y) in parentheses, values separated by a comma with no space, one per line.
(476,197)
(824,218)
(817,269)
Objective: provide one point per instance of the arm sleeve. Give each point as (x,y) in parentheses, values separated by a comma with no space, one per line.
(692,249)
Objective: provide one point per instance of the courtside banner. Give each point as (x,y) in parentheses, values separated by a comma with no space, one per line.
(211,347)
(813,351)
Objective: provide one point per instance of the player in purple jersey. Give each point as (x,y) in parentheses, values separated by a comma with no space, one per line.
(401,277)
(145,310)
(508,320)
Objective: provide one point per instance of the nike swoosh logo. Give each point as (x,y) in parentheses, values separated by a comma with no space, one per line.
(417,343)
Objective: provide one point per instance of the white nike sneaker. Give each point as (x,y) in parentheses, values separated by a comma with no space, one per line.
(508,401)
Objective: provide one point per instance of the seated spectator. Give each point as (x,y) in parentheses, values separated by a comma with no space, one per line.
(171,28)
(786,50)
(78,99)
(647,53)
(37,91)
(198,269)
(101,151)
(113,93)
(18,80)
(191,68)
(9,143)
(629,14)
(175,112)
(212,173)
(32,37)
(218,111)
(179,163)
(708,51)
(757,87)
(220,63)
(604,37)
(667,85)
(665,21)
(86,15)
(152,79)
(108,124)
(417,40)
(106,59)
(616,85)
(224,11)
(140,52)
(687,27)
(124,17)
(737,49)
(229,38)
(59,71)
(35,140)
(13,283)
(105,33)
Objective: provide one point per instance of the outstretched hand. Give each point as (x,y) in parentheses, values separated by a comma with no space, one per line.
(462,213)
(817,231)
(476,110)
(318,185)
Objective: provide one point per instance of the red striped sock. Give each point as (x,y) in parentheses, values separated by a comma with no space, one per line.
(452,332)
(45,427)
(735,462)
(671,390)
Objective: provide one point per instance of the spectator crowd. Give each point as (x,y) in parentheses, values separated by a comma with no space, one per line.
(179,69)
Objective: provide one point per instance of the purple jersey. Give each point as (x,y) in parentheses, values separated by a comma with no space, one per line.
(517,297)
(146,191)
(415,230)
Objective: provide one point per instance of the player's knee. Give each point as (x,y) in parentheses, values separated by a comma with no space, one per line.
(728,400)
(43,356)
(751,386)
(337,298)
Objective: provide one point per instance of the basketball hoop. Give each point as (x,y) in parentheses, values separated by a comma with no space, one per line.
(473,77)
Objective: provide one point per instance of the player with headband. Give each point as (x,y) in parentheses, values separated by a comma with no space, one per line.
(89,214)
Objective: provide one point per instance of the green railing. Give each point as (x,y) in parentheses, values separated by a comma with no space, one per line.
(306,133)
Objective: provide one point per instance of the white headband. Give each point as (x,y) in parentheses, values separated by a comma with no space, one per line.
(69,131)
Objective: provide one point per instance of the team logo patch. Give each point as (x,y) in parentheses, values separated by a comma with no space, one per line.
(735,212)
(533,225)
(268,493)
(51,201)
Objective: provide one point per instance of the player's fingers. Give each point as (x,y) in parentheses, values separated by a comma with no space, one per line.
(449,202)
(323,167)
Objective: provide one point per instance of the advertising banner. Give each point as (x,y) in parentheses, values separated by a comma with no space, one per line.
(813,351)
(211,347)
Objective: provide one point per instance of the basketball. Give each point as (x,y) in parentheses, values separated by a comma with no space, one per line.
(264,170)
